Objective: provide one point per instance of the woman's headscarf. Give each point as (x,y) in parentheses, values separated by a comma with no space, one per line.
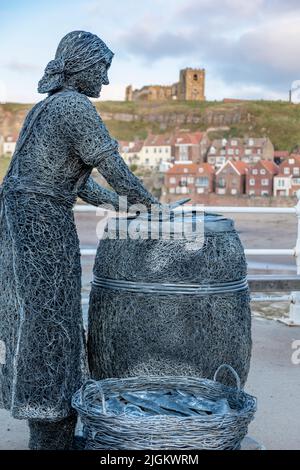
(76,51)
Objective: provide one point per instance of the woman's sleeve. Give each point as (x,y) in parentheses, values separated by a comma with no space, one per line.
(94,142)
(98,149)
(94,194)
(124,182)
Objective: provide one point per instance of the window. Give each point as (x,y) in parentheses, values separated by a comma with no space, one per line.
(200,170)
(183,153)
(200,190)
(264,193)
(195,77)
(146,150)
(237,152)
(258,151)
(172,190)
(234,143)
(154,149)
(222,183)
(172,180)
(251,192)
(185,170)
(254,171)
(281,183)
(166,149)
(230,151)
(296,170)
(159,150)
(202,181)
(252,182)
(147,161)
(262,171)
(250,142)
(233,191)
(265,182)
(248,152)
(286,170)
(190,179)
(291,161)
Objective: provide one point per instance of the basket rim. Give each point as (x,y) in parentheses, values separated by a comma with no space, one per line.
(249,407)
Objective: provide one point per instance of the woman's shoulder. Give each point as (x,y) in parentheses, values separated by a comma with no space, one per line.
(70,98)
(72,107)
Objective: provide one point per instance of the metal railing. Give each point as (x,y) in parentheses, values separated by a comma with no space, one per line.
(257,283)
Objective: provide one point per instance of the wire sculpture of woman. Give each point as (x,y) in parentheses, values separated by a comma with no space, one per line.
(62,140)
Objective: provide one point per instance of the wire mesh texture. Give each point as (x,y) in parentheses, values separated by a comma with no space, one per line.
(204,432)
(170,307)
(62,139)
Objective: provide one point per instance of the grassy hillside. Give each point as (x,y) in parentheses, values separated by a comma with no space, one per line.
(278,120)
(128,120)
(4,162)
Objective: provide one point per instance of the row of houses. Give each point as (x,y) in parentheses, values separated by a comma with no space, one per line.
(161,151)
(263,178)
(194,164)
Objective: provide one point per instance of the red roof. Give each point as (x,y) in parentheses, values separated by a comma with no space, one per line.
(193,168)
(157,140)
(286,163)
(240,167)
(282,175)
(137,147)
(270,166)
(193,138)
(281,153)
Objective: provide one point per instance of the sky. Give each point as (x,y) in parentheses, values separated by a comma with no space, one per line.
(249,48)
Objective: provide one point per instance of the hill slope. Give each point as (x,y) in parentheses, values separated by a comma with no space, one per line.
(128,120)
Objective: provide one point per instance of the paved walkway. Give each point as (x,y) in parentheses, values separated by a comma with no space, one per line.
(273,379)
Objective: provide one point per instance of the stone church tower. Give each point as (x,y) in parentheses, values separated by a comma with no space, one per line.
(191,84)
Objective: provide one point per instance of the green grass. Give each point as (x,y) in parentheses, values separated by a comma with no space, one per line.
(4,162)
(278,120)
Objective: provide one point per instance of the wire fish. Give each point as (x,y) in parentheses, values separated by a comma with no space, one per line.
(201,404)
(134,410)
(114,405)
(145,402)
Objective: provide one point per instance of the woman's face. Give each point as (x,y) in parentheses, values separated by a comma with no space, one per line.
(90,81)
(100,77)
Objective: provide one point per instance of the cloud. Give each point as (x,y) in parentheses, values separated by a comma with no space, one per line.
(263,53)
(21,67)
(151,47)
(234,10)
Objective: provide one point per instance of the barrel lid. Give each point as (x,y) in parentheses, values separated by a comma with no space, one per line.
(192,220)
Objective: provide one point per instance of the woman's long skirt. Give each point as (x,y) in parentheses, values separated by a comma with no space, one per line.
(42,346)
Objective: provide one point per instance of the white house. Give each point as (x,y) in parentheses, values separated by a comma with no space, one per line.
(9,145)
(282,185)
(156,152)
(130,151)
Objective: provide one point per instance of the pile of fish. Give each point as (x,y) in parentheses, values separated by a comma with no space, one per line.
(175,403)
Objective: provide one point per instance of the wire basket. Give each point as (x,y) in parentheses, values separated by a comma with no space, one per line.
(121,431)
